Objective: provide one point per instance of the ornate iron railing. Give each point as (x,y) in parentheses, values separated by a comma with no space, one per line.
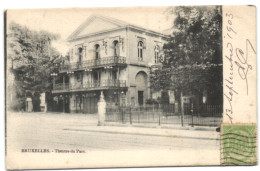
(105,83)
(91,85)
(112,60)
(61,86)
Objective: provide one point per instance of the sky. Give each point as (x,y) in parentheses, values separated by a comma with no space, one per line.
(65,21)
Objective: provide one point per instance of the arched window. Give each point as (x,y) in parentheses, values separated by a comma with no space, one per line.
(116,48)
(80,54)
(97,51)
(140,48)
(156,54)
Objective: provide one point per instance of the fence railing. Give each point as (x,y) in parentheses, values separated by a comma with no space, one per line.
(91,84)
(161,115)
(203,110)
(112,60)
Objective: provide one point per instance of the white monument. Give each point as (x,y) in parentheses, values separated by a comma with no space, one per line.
(29,105)
(101,109)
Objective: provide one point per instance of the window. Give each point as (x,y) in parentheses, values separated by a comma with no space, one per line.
(156,54)
(80,55)
(96,76)
(97,51)
(140,48)
(116,48)
(114,75)
(79,77)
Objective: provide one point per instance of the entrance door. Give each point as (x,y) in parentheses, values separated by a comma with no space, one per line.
(141,87)
(141,98)
(78,104)
(67,104)
(90,105)
(93,105)
(85,105)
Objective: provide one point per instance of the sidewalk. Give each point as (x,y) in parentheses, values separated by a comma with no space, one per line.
(88,123)
(145,131)
(166,126)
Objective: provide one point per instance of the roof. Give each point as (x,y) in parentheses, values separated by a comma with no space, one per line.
(118,23)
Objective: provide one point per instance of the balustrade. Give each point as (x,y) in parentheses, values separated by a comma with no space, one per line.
(91,85)
(92,63)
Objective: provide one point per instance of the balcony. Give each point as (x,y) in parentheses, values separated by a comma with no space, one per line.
(94,63)
(88,86)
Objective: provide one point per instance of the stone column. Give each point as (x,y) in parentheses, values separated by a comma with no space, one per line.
(101,109)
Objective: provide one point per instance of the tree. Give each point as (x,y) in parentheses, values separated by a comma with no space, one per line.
(31,56)
(192,59)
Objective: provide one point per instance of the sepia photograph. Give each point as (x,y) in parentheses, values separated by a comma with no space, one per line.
(93,87)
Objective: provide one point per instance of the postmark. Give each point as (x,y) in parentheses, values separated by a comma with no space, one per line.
(238,144)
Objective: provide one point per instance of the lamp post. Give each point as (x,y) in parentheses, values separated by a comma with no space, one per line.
(54,75)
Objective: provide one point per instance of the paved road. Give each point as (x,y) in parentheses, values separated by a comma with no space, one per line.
(53,130)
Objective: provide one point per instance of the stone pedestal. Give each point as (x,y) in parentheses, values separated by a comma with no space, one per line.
(101,109)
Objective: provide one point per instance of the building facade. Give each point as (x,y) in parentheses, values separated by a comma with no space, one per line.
(111,56)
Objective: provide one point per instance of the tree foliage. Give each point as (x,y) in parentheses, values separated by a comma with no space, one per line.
(193,55)
(31,56)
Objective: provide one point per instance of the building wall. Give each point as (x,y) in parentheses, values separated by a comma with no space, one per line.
(128,39)
(128,46)
(133,85)
(136,66)
(106,49)
(150,41)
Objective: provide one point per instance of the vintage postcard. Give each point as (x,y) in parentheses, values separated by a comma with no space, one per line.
(130,87)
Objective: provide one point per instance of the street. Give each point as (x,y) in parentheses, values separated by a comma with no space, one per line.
(66,131)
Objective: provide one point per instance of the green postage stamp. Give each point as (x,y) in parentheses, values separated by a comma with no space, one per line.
(238,144)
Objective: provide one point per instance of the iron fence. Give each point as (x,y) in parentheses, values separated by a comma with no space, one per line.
(203,110)
(164,115)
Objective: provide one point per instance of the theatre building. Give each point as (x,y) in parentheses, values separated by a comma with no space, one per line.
(111,56)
